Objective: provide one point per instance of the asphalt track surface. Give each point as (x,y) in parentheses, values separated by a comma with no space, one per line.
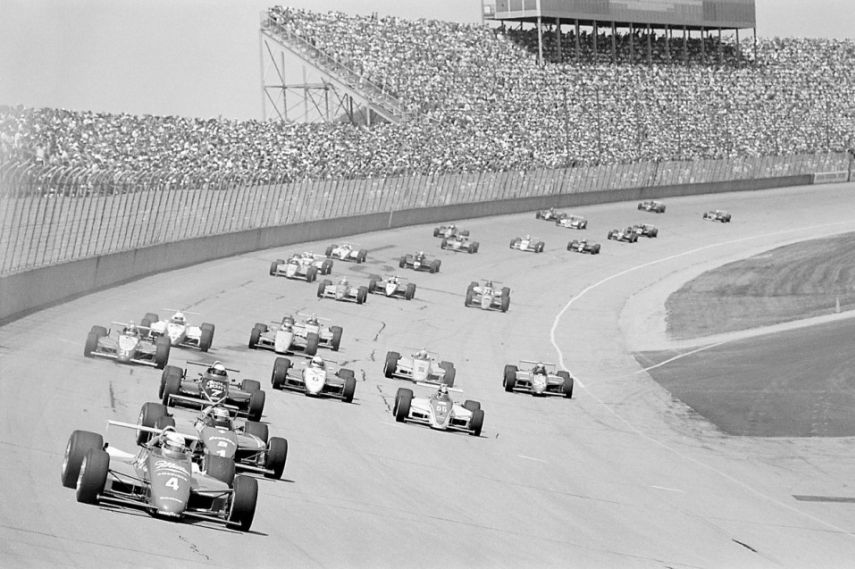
(623,475)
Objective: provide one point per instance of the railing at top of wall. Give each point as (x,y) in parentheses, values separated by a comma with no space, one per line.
(54,215)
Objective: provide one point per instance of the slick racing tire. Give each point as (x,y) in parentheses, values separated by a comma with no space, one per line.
(95,334)
(79,445)
(335,342)
(470,297)
(244,499)
(93,476)
(450,373)
(403,401)
(256,405)
(402,262)
(207,337)
(506,303)
(254,336)
(220,467)
(277,455)
(391,364)
(280,372)
(274,268)
(373,285)
(328,252)
(149,319)
(171,386)
(149,414)
(476,423)
(161,352)
(169,371)
(539,247)
(349,388)
(361,295)
(410,292)
(256,429)
(312,341)
(322,286)
(311,274)
(471,405)
(435,265)
(326,267)
(510,377)
(567,387)
(444,244)
(250,385)
(361,256)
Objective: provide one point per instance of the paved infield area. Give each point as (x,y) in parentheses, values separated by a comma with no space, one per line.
(623,475)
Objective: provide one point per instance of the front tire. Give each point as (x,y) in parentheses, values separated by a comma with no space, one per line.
(403,401)
(277,455)
(93,476)
(244,499)
(78,446)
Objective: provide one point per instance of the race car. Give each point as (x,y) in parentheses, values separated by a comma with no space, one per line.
(717,215)
(296,267)
(315,377)
(422,366)
(572,222)
(419,262)
(549,214)
(291,336)
(628,235)
(451,230)
(486,296)
(127,344)
(459,243)
(213,386)
(346,252)
(527,243)
(216,435)
(342,290)
(159,478)
(179,331)
(392,286)
(538,378)
(584,246)
(646,230)
(439,411)
(652,206)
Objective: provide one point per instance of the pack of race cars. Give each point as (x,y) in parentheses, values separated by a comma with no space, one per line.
(201,443)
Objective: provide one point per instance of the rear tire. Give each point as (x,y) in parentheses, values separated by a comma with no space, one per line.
(361,295)
(220,467)
(171,386)
(244,499)
(311,274)
(161,352)
(256,405)
(149,414)
(250,385)
(312,341)
(169,371)
(506,303)
(256,429)
(254,336)
(335,342)
(207,337)
(471,405)
(78,446)
(450,373)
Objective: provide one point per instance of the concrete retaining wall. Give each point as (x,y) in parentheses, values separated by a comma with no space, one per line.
(27,292)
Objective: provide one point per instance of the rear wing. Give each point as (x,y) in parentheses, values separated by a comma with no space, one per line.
(209,364)
(152,430)
(546,364)
(436,384)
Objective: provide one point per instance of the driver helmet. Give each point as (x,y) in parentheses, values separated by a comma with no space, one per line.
(489,284)
(173,444)
(218,369)
(422,354)
(287,322)
(443,390)
(527,237)
(131,329)
(312,319)
(178,318)
(421,255)
(317,362)
(539,368)
(343,281)
(221,417)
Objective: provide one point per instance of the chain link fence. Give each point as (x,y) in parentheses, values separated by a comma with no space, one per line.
(57,215)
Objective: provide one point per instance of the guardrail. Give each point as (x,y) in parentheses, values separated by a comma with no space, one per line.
(55,215)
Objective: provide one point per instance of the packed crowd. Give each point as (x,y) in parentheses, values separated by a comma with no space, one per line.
(477,100)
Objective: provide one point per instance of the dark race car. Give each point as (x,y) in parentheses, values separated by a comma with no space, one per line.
(419,262)
(646,230)
(717,215)
(127,344)
(212,387)
(584,246)
(652,206)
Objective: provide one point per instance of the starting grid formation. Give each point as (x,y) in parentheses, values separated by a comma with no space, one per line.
(53,216)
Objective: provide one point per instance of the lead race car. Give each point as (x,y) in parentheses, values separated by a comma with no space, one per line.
(438,411)
(161,478)
(487,296)
(538,379)
(584,246)
(342,291)
(549,214)
(450,230)
(652,206)
(527,243)
(392,286)
(315,378)
(421,367)
(221,445)
(346,252)
(296,267)
(627,235)
(717,215)
(291,336)
(127,344)
(459,244)
(180,332)
(572,222)
(214,386)
(419,261)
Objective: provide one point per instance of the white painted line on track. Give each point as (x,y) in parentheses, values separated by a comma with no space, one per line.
(677,490)
(532,458)
(651,439)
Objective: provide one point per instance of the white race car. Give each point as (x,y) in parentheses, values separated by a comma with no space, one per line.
(315,377)
(296,267)
(343,291)
(392,286)
(346,252)
(487,296)
(527,243)
(573,222)
(422,366)
(460,244)
(292,336)
(179,331)
(439,411)
(538,378)
(449,230)
(628,235)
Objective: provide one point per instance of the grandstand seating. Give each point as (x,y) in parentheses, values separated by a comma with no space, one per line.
(477,100)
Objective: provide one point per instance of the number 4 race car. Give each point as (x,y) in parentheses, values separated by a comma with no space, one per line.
(129,344)
(539,379)
(179,331)
(584,246)
(439,411)
(422,366)
(419,262)
(160,478)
